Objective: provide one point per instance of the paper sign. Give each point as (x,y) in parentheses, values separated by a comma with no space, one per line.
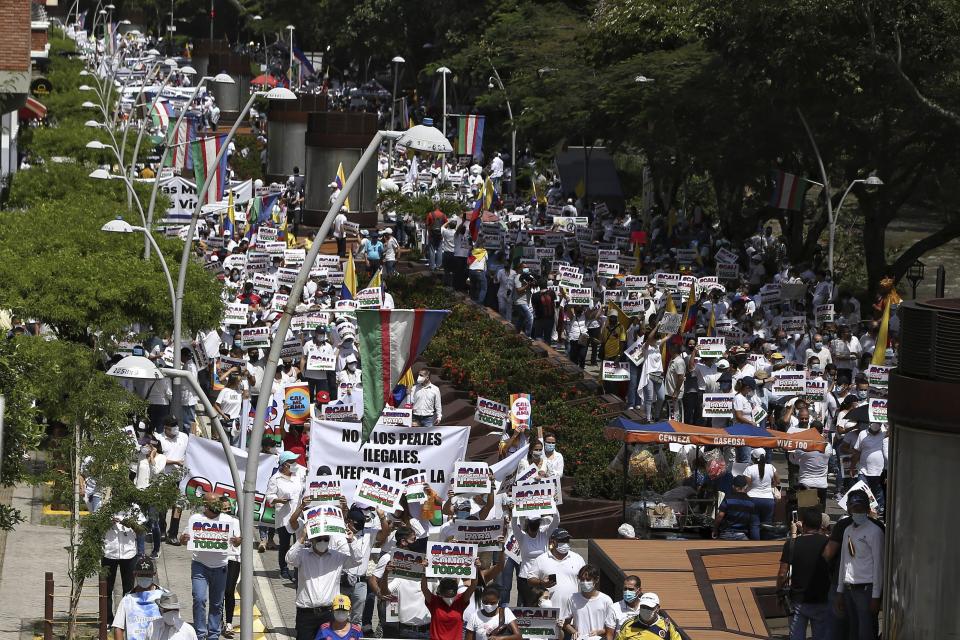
(633,302)
(634,352)
(537,623)
(686,256)
(255,337)
(267,234)
(236,313)
(287,277)
(608,255)
(608,269)
(825,313)
(406,565)
(275,248)
(346,305)
(669,324)
(279,302)
(770,294)
(726,271)
(378,492)
(264,283)
(552,239)
(397,416)
(323,489)
(668,280)
(725,256)
(711,346)
(815,389)
(351,228)
(718,405)
(483,533)
(296,402)
(877,410)
(294,257)
(790,383)
(614,371)
(570,278)
(471,478)
(325,520)
(521,411)
(544,253)
(413,485)
(580,296)
(793,324)
(635,282)
(370,298)
(878,375)
(492,414)
(327,261)
(793,291)
(451,560)
(533,500)
(321,360)
(860,485)
(235,261)
(209,535)
(611,296)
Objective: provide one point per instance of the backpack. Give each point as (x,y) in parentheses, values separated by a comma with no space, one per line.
(436,225)
(546,303)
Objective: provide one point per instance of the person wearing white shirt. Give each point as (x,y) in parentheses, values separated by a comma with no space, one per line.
(390,248)
(427,406)
(496,171)
(350,376)
(318,354)
(627,608)
(584,613)
(339,234)
(491,620)
(170,625)
(228,404)
(120,549)
(532,537)
(553,459)
(860,582)
(318,579)
(763,478)
(174,444)
(869,457)
(208,569)
(556,570)
(151,464)
(413,617)
(813,467)
(283,493)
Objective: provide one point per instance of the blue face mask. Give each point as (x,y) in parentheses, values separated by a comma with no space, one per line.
(629,596)
(549,448)
(859,518)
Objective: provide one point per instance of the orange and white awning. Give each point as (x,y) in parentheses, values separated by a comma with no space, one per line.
(34,109)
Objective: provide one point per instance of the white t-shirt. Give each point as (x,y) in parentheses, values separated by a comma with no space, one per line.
(744,405)
(870,446)
(483,625)
(214,559)
(175,449)
(230,401)
(760,487)
(617,614)
(588,614)
(813,467)
(566,571)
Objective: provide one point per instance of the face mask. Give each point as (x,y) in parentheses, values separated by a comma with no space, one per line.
(862,394)
(536,454)
(629,596)
(858,518)
(748,394)
(463,515)
(874,428)
(144,582)
(145,450)
(586,586)
(563,547)
(818,345)
(341,616)
(171,433)
(320,546)
(549,448)
(170,618)
(489,608)
(422,380)
(647,615)
(449,601)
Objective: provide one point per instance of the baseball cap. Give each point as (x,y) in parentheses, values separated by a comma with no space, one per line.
(169,601)
(560,534)
(341,602)
(650,600)
(287,456)
(857,498)
(761,375)
(144,566)
(723,364)
(757,452)
(627,531)
(748,382)
(777,355)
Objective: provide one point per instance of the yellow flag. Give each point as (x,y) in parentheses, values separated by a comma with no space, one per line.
(711,328)
(342,181)
(879,351)
(233,222)
(669,308)
(580,189)
(375,280)
(487,193)
(350,275)
(691,300)
(407,380)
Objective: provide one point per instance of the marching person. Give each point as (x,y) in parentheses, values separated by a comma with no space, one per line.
(650,623)
(427,406)
(283,491)
(624,610)
(171,626)
(340,628)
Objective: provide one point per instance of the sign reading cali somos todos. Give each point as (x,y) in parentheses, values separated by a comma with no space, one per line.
(451,560)
(493,414)
(392,452)
(209,535)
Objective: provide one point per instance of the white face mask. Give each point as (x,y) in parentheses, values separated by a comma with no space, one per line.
(321,546)
(341,616)
(586,586)
(489,608)
(170,618)
(563,547)
(422,380)
(144,582)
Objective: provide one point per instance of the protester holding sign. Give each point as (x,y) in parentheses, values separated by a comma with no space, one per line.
(138,608)
(283,492)
(446,607)
(491,621)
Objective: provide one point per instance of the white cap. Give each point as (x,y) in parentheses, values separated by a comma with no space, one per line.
(350,358)
(723,364)
(649,600)
(757,452)
(332,185)
(626,531)
(387,231)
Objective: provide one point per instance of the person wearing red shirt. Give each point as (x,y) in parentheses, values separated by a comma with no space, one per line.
(446,607)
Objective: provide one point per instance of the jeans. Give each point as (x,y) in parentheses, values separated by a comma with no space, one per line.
(505,307)
(863,624)
(731,534)
(743,454)
(632,393)
(692,402)
(524,320)
(189,417)
(481,278)
(208,587)
(459,264)
(424,421)
(309,622)
(434,255)
(156,531)
(817,615)
(876,487)
(543,329)
(505,580)
(357,594)
(283,546)
(156,413)
(125,567)
(341,247)
(764,509)
(230,592)
(389,267)
(653,394)
(93,500)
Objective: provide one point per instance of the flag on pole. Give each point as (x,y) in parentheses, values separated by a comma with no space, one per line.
(376,280)
(390,340)
(161,114)
(181,149)
(341,180)
(348,291)
(306,67)
(712,325)
(880,348)
(229,222)
(690,312)
(788,191)
(470,135)
(262,206)
(669,307)
(205,152)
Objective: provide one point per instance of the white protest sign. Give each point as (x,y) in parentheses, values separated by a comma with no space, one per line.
(726,271)
(725,256)
(686,256)
(635,282)
(286,277)
(370,298)
(451,560)
(490,413)
(413,485)
(346,305)
(570,277)
(279,302)
(264,283)
(235,261)
(236,313)
(580,296)
(790,383)
(544,253)
(391,452)
(483,533)
(718,405)
(210,534)
(608,255)
(471,477)
(275,248)
(615,371)
(537,623)
(267,234)
(396,416)
(324,489)
(406,565)
(351,228)
(634,302)
(378,492)
(327,261)
(877,410)
(533,500)
(322,359)
(825,313)
(325,520)
(878,376)
(770,293)
(294,257)
(860,485)
(668,280)
(255,337)
(206,471)
(669,324)
(608,269)
(634,352)
(815,388)
(711,346)
(793,324)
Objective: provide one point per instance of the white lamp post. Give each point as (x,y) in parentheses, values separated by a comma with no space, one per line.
(870,181)
(397,61)
(495,81)
(444,71)
(103,174)
(120,225)
(421,138)
(291,29)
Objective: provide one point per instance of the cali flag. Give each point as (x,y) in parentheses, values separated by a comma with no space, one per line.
(161,114)
(205,161)
(390,341)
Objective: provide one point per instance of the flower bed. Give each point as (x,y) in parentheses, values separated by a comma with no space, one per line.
(485,357)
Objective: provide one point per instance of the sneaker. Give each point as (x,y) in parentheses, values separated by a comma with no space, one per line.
(262,548)
(173,542)
(227,630)
(156,553)
(271,545)
(285,573)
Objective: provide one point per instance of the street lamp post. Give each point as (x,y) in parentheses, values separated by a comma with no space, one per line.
(915,275)
(103,174)
(277,93)
(496,81)
(291,29)
(122,226)
(397,61)
(444,71)
(871,181)
(266,61)
(421,138)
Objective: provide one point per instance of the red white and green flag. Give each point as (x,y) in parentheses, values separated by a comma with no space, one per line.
(788,191)
(205,162)
(470,135)
(390,342)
